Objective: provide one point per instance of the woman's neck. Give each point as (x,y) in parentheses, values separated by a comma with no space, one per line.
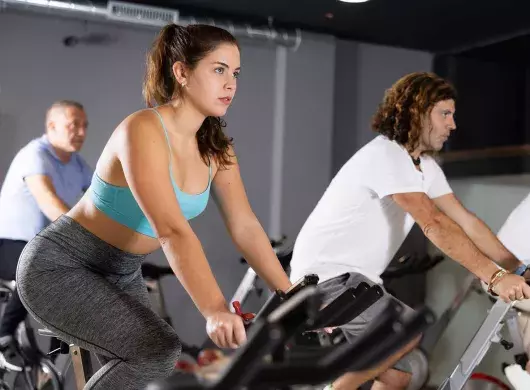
(185,119)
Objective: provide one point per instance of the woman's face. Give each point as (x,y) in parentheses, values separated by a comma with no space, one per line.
(211,86)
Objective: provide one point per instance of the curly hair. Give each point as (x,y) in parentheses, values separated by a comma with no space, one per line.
(400,114)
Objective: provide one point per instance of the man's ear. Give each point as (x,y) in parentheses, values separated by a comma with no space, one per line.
(50,125)
(425,121)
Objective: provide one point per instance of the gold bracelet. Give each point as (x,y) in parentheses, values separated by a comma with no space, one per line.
(497,275)
(495,279)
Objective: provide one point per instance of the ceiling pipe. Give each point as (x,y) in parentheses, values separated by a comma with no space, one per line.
(154,17)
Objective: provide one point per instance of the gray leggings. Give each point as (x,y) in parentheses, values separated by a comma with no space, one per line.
(93,294)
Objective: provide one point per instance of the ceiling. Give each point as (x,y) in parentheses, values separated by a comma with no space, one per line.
(430,25)
(513,51)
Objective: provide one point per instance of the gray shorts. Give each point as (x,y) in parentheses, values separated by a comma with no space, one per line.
(334,287)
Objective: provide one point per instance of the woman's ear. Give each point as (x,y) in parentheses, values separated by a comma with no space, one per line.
(181,73)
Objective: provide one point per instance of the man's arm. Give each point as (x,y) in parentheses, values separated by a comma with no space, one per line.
(42,189)
(477,231)
(446,234)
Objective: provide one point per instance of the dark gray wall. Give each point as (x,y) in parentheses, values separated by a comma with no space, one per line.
(363,73)
(308,135)
(333,87)
(36,69)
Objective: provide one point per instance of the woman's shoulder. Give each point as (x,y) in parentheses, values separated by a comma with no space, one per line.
(141,117)
(140,120)
(139,126)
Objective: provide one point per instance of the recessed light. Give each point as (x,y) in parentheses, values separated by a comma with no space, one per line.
(354,1)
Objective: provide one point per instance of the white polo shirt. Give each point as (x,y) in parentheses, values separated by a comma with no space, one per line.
(514,233)
(356,226)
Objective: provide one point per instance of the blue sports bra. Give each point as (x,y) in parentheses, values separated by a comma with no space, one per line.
(119,203)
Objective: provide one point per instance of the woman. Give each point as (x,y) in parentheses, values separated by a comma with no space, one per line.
(81,277)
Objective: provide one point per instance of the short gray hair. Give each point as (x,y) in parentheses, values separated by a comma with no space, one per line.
(62,104)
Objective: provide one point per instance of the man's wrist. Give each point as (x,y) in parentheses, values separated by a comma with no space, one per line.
(488,271)
(495,278)
(521,269)
(510,265)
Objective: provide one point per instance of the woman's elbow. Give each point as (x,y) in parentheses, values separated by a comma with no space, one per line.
(167,233)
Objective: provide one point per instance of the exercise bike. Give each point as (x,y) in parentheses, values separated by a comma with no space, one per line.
(248,283)
(268,361)
(30,361)
(501,314)
(463,377)
(80,358)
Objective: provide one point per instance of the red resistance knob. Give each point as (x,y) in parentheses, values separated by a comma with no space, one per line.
(247,317)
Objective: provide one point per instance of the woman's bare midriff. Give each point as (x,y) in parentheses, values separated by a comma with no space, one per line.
(110,170)
(110,231)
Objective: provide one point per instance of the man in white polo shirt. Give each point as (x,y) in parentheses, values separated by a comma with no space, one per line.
(372,203)
(514,235)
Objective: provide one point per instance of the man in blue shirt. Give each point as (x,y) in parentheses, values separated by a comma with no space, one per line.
(45,179)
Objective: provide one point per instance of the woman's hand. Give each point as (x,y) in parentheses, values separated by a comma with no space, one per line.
(226,329)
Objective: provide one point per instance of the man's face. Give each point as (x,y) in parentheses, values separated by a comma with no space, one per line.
(438,125)
(67,128)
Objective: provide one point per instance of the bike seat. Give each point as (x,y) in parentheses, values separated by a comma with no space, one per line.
(152,271)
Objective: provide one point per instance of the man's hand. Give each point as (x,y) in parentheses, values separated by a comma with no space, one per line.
(511,288)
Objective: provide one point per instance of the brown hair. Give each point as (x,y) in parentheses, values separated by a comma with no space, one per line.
(189,45)
(399,116)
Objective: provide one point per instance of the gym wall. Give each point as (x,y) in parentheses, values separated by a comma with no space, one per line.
(36,68)
(333,88)
(363,72)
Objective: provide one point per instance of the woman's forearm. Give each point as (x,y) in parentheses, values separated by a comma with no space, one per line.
(188,261)
(253,243)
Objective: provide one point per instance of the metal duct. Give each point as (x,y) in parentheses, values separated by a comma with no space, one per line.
(121,12)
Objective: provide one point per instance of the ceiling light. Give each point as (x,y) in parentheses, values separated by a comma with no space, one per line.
(354,1)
